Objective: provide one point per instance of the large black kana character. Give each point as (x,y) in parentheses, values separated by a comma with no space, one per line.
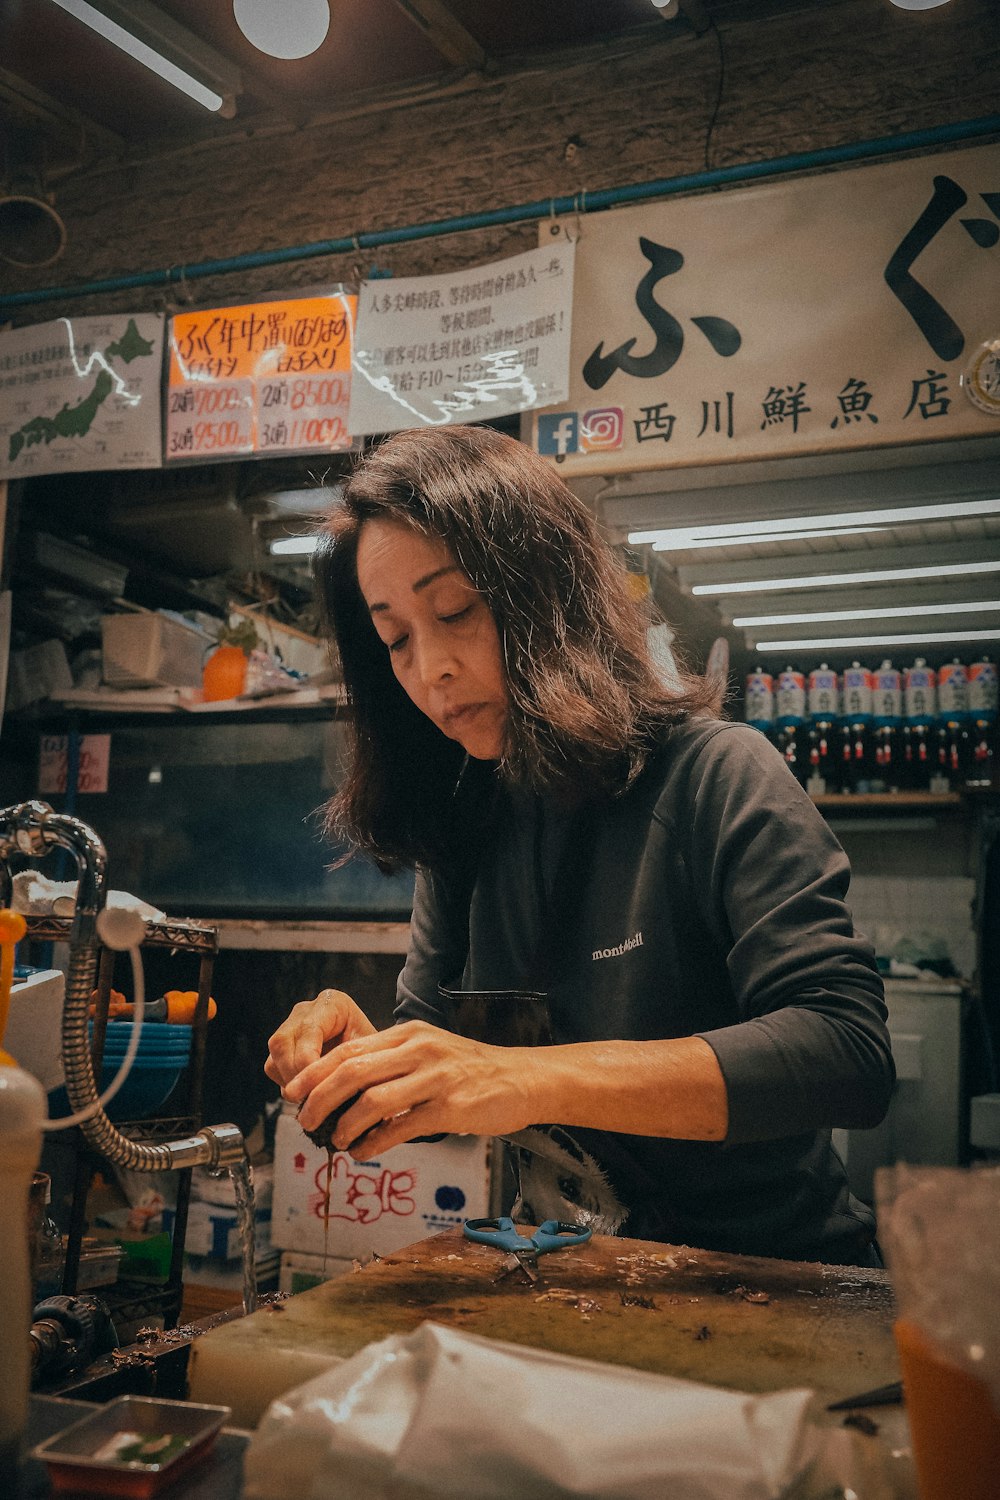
(937,326)
(724,337)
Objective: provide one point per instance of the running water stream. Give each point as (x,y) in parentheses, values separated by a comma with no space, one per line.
(242,1176)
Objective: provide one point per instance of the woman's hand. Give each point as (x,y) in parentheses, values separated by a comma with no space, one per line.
(313,1027)
(415,1080)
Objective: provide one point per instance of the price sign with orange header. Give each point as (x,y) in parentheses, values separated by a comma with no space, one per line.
(265,378)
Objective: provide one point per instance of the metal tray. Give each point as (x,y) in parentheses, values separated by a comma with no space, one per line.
(72,1456)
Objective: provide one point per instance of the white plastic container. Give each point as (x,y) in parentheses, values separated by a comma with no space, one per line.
(408,1193)
(34,1025)
(151,650)
(22,1111)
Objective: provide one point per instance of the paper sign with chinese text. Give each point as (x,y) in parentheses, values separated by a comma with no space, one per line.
(81,393)
(266,378)
(92,767)
(472,344)
(805,315)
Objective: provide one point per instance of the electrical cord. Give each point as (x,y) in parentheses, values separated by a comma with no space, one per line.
(718,95)
(122,930)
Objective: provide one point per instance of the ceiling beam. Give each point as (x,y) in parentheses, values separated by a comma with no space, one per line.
(643,502)
(62,119)
(896,625)
(813,601)
(182,47)
(696,15)
(445,32)
(854,561)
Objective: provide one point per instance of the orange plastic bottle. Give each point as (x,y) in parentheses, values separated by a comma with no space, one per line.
(954,1424)
(224,674)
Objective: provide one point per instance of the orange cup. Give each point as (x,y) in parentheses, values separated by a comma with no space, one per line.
(224,674)
(954,1425)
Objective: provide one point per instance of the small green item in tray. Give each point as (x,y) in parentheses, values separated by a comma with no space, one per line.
(148,1449)
(132,1448)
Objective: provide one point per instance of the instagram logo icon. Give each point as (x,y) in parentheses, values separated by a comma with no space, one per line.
(602,428)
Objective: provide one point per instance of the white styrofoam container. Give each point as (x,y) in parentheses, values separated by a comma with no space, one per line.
(151,650)
(207,1271)
(300,1272)
(34,1025)
(212,1231)
(210,1187)
(378,1206)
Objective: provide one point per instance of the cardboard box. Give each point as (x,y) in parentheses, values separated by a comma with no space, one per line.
(299,1272)
(378,1206)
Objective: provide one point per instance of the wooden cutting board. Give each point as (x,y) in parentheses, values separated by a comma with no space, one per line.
(737,1321)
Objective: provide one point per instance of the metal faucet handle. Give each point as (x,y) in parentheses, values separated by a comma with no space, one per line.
(215,1147)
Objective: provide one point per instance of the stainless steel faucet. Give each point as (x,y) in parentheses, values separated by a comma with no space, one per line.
(33,829)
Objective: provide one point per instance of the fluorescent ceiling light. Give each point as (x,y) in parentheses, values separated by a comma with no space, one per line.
(830,580)
(119,37)
(283,28)
(307,501)
(849,642)
(892,516)
(913,611)
(699,543)
(292,546)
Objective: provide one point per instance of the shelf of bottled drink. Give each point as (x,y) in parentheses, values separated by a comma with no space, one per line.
(883,738)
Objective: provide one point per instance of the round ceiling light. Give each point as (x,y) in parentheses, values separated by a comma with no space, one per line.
(295,28)
(918,4)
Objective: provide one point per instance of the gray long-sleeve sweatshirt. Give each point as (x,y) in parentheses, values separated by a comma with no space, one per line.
(707,900)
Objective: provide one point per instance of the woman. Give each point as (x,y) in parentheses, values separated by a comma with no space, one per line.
(588,834)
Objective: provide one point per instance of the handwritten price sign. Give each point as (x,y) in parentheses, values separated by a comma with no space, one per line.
(269,377)
(92,767)
(300,411)
(210,419)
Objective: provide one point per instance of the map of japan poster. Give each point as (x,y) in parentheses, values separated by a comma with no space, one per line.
(81,393)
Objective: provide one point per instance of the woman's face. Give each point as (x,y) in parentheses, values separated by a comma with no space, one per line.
(442,640)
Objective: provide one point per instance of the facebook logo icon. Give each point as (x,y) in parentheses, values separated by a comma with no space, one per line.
(558,433)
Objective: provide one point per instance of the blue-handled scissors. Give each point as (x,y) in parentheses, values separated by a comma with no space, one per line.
(523,1250)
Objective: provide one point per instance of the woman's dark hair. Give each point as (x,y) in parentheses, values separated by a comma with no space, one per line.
(586,703)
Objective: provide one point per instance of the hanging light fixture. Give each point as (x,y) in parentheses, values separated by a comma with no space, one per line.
(295,28)
(152,49)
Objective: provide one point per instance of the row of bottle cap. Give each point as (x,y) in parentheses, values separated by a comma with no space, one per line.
(885,696)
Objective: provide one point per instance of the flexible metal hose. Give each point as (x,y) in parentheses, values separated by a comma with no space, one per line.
(32,828)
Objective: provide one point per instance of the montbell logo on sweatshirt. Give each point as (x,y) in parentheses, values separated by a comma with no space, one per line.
(635,941)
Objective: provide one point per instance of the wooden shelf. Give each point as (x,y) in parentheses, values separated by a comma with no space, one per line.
(848,801)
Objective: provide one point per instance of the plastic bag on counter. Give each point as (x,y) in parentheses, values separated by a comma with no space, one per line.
(445,1414)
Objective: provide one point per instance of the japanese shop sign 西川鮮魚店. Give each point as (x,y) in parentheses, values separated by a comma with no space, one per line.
(266,378)
(808,315)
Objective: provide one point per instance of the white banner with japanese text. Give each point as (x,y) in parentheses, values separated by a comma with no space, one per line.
(482,342)
(813,314)
(81,393)
(266,378)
